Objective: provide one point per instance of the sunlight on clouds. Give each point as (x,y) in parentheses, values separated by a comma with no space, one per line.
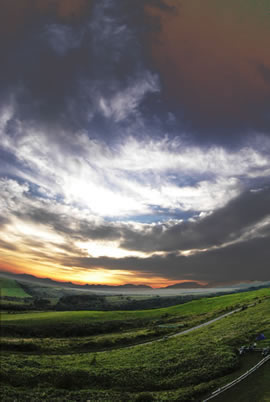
(135,177)
(100,198)
(113,173)
(109,249)
(174,154)
(103,276)
(64,208)
(37,232)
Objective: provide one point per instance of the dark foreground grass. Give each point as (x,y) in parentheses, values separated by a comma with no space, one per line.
(183,368)
(252,389)
(81,344)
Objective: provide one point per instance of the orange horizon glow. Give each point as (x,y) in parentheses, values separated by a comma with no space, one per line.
(49,263)
(155,282)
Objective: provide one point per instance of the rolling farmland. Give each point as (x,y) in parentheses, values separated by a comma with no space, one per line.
(43,361)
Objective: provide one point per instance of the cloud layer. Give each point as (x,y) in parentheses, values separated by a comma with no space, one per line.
(123,157)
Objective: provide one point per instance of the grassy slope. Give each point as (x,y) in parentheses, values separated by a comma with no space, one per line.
(172,370)
(84,344)
(255,388)
(10,288)
(196,307)
(181,368)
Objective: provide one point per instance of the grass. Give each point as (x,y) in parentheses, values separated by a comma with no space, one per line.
(86,323)
(80,344)
(183,368)
(10,288)
(252,389)
(193,308)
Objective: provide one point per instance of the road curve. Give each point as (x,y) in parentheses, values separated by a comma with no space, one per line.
(186,331)
(165,337)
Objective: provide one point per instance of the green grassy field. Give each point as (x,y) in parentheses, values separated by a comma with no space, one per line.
(183,368)
(87,323)
(10,288)
(57,298)
(81,344)
(193,308)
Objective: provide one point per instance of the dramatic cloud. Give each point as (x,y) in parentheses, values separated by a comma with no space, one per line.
(246,260)
(244,217)
(134,140)
(214,62)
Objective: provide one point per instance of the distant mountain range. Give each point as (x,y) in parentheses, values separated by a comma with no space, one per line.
(186,285)
(127,287)
(51,282)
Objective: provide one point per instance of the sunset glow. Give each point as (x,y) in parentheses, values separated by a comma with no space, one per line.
(134,141)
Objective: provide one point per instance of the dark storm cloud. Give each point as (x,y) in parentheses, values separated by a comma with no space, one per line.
(71,227)
(34,76)
(93,94)
(248,260)
(223,225)
(228,224)
(233,239)
(64,64)
(207,55)
(78,65)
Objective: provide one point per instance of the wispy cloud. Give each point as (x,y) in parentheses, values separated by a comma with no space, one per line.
(101,171)
(137,177)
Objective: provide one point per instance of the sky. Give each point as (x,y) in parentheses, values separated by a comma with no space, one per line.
(135,140)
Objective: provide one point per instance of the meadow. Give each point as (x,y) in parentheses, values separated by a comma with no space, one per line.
(45,366)
(11,288)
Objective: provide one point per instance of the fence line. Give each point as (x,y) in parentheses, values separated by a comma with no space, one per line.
(237,380)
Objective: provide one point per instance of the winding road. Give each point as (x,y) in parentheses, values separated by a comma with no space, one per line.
(162,339)
(186,331)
